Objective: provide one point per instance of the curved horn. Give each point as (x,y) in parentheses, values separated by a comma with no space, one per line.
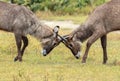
(63,39)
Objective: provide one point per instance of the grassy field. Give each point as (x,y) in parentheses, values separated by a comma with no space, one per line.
(60,64)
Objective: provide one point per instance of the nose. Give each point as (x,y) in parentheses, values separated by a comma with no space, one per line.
(78,55)
(44,52)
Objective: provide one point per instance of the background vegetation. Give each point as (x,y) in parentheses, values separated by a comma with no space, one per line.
(61,7)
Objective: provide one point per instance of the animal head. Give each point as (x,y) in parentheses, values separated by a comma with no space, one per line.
(50,42)
(73,44)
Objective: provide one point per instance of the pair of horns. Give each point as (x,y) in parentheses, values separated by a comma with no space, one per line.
(63,38)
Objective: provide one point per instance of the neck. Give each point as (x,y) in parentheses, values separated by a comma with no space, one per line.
(41,31)
(82,33)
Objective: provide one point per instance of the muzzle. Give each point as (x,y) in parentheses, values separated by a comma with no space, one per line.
(44,52)
(78,55)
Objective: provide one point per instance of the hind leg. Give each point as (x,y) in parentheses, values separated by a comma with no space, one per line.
(18,39)
(25,44)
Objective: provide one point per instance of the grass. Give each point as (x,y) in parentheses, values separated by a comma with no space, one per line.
(60,64)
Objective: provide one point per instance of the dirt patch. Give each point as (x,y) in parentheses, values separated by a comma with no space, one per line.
(62,24)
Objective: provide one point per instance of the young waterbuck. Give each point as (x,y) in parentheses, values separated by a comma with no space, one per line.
(21,21)
(104,19)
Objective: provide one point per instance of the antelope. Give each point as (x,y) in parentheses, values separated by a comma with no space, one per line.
(22,21)
(104,19)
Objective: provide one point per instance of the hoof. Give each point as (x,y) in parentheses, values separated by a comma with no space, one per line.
(104,62)
(83,62)
(20,59)
(16,58)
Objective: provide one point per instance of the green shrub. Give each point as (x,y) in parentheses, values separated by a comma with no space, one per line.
(61,6)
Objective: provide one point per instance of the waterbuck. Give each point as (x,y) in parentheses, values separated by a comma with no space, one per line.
(104,19)
(21,21)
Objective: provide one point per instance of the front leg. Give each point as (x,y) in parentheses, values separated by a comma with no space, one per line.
(18,39)
(104,44)
(91,40)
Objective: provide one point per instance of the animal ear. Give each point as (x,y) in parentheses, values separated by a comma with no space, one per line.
(55,30)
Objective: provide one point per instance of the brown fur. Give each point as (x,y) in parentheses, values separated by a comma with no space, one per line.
(21,21)
(104,19)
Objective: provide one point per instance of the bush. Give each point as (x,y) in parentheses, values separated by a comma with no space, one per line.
(61,6)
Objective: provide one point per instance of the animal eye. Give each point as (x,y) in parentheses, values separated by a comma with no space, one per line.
(54,43)
(71,45)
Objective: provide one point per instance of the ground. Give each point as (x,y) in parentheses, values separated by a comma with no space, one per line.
(62,24)
(60,64)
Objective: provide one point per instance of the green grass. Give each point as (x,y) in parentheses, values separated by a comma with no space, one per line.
(60,64)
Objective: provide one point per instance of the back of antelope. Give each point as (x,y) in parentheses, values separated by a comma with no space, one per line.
(104,19)
(21,21)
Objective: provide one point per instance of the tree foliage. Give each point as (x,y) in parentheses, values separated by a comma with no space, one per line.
(59,6)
